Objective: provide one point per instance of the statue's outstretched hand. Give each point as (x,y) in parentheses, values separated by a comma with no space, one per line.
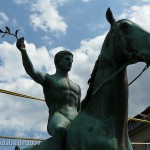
(20,44)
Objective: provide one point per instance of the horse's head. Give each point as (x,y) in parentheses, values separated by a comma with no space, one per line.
(131,41)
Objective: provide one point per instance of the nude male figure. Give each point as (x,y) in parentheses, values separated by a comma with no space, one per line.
(62,95)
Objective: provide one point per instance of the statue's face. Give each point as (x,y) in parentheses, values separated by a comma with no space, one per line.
(66,62)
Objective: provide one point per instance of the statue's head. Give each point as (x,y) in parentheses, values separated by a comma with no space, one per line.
(63,58)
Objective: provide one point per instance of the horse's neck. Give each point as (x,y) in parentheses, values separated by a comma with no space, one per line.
(113,95)
(108,63)
(107,68)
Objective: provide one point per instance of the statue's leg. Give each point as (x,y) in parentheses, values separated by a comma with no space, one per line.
(57,126)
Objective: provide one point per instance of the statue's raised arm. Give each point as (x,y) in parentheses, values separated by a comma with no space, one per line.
(37,76)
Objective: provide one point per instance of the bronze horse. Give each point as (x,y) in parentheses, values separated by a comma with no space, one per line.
(102,123)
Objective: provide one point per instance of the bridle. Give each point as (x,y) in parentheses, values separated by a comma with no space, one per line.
(130,56)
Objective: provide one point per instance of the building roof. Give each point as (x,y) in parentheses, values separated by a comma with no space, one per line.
(133,125)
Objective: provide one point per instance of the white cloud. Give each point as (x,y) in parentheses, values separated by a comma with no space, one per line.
(14,78)
(145,0)
(3,18)
(9,53)
(47,40)
(46,17)
(58,3)
(138,14)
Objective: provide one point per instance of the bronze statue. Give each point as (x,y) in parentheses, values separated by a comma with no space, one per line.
(102,123)
(62,95)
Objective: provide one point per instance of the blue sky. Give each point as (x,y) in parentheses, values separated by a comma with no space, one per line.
(48,27)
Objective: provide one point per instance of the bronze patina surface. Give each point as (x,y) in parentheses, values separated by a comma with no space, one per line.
(102,122)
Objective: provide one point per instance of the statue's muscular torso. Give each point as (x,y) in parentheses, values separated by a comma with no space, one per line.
(62,95)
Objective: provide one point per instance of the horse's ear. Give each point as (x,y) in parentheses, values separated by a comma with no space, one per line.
(110,18)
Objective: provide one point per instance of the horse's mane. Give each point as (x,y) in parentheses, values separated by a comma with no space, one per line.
(90,88)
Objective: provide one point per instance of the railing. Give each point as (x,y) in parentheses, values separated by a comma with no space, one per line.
(39,99)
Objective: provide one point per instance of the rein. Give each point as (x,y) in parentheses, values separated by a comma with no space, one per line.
(116,73)
(146,67)
(108,79)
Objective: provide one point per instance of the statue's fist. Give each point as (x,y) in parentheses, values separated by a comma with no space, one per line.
(20,44)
